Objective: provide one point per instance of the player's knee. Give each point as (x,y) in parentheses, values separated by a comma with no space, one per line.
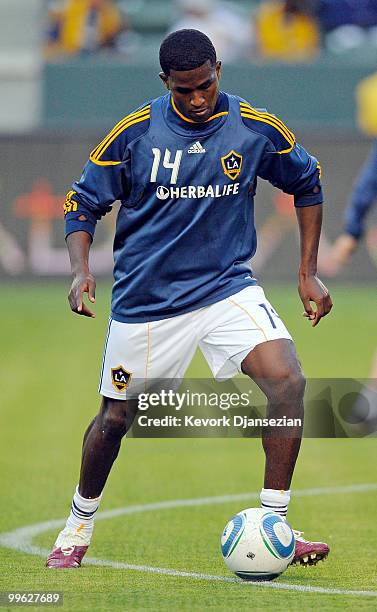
(113,419)
(295,384)
(288,385)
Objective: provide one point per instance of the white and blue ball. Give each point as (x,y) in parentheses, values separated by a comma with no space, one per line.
(257,544)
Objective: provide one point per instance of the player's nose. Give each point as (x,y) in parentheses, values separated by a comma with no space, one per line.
(197,100)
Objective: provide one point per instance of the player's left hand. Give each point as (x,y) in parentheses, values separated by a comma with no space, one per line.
(311,289)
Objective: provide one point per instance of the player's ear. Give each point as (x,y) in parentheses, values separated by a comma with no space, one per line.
(218,70)
(164,79)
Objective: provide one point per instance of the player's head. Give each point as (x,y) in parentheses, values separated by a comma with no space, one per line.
(191,72)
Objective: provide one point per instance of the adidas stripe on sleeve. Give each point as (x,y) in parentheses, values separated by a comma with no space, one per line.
(105,177)
(286,164)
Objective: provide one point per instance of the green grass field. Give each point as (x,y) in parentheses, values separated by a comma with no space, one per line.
(49,375)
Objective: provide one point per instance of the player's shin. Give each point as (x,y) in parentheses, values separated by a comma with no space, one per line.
(281,449)
(282,444)
(102,443)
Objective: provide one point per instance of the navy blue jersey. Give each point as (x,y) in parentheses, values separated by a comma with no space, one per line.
(185,229)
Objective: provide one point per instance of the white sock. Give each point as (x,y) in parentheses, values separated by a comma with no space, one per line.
(81,518)
(275,500)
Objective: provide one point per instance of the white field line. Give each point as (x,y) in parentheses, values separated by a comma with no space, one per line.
(21,539)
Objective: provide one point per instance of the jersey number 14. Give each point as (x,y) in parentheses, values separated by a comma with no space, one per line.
(169,165)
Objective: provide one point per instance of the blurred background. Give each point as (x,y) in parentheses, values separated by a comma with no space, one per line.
(70,69)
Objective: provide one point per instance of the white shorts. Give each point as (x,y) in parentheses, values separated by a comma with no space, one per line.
(225,332)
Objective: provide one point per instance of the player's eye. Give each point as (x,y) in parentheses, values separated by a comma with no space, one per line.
(183,90)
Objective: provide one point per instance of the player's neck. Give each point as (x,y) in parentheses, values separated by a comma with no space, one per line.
(220,110)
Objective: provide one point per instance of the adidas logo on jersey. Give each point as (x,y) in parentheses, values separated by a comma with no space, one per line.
(196,148)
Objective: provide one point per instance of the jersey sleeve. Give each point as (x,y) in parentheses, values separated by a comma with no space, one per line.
(106,175)
(363,196)
(285,163)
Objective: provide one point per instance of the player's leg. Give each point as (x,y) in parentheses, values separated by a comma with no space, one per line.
(149,352)
(101,445)
(250,336)
(274,366)
(102,442)
(276,370)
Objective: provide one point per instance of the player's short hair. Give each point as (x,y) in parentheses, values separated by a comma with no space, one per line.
(186,50)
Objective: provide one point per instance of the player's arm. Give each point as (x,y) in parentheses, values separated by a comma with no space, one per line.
(363,196)
(106,178)
(310,287)
(90,198)
(288,166)
(78,244)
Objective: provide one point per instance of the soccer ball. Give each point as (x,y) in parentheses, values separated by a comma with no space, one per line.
(257,544)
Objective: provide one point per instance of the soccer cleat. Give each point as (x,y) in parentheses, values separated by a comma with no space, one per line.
(308,553)
(68,551)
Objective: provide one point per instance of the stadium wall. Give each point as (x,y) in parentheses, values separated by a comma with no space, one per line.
(86,93)
(37,171)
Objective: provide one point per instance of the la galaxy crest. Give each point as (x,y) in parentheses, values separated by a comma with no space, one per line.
(232,164)
(120,378)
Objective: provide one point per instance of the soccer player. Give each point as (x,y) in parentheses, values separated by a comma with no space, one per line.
(362,200)
(185,168)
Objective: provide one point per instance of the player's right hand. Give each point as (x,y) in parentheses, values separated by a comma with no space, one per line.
(82,283)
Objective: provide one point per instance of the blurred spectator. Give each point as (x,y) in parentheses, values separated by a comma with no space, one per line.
(231,35)
(287,31)
(361,201)
(347,24)
(86,26)
(335,13)
(364,194)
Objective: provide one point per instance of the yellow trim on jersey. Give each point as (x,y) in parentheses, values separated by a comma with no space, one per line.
(247,108)
(179,113)
(191,120)
(118,125)
(105,163)
(217,115)
(285,150)
(118,129)
(250,113)
(94,158)
(255,118)
(319,168)
(290,138)
(99,151)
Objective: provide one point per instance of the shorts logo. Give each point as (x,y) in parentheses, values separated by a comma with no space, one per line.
(232,164)
(120,378)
